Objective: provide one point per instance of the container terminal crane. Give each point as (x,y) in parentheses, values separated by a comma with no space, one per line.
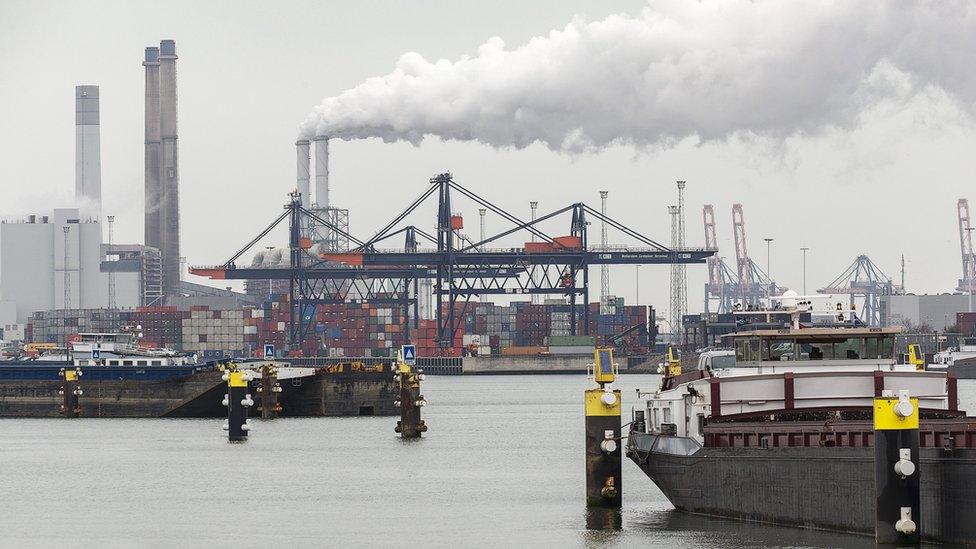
(459,268)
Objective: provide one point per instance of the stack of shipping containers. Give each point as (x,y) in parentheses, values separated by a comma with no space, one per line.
(160,326)
(358,329)
(59,326)
(212,333)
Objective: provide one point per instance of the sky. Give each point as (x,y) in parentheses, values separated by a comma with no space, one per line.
(848,130)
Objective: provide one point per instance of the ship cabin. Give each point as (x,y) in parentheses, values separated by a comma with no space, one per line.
(812,349)
(789,371)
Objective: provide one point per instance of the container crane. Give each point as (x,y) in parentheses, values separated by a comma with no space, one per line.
(723,283)
(863,280)
(965,247)
(459,270)
(754,284)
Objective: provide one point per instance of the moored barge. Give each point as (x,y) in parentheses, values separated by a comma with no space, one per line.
(780,431)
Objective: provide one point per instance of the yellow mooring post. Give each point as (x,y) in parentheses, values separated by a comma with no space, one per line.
(410,401)
(70,392)
(896,461)
(237,400)
(603,448)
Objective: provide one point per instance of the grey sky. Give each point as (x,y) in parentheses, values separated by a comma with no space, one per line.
(249,73)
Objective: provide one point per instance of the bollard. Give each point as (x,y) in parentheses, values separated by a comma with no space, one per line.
(604,457)
(896,476)
(70,392)
(237,400)
(269,390)
(410,401)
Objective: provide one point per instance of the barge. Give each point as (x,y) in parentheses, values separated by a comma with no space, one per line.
(780,431)
(121,379)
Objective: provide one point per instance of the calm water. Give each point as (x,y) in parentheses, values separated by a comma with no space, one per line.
(501,465)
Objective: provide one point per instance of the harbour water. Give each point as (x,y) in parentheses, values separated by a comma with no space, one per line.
(502,465)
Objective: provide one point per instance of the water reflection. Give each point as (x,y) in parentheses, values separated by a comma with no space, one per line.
(603,519)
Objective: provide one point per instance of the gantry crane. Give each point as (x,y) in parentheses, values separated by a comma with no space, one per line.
(460,270)
(723,283)
(966,247)
(863,279)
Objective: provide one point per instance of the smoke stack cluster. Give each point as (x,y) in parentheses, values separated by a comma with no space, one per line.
(88,163)
(304,171)
(162,206)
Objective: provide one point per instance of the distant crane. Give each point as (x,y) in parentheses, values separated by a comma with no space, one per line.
(754,284)
(965,247)
(863,280)
(723,283)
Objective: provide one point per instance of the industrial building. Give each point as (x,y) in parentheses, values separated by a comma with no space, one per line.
(162,203)
(935,311)
(51,262)
(138,274)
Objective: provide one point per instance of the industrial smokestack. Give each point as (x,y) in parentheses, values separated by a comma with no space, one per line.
(304,174)
(88,164)
(153,159)
(322,171)
(169,177)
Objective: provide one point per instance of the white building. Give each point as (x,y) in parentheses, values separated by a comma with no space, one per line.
(42,255)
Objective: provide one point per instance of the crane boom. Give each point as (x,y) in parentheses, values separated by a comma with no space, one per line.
(965,244)
(741,254)
(711,242)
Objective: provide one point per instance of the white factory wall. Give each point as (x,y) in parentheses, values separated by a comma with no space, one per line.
(32,265)
(937,311)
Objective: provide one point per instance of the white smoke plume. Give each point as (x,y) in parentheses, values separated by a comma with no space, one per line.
(711,70)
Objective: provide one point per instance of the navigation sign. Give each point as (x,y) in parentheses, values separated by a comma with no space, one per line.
(409,354)
(269,350)
(96,354)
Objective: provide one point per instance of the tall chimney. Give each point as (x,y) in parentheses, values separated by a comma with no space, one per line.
(169,176)
(88,164)
(153,150)
(304,174)
(322,171)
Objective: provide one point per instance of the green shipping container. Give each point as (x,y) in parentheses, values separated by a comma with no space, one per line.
(570,341)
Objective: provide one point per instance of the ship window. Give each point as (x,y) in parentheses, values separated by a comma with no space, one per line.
(157,363)
(887,347)
(141,363)
(851,348)
(127,363)
(701,424)
(741,349)
(667,415)
(747,350)
(778,349)
(814,350)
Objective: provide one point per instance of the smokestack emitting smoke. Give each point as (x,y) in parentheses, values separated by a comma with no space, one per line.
(88,163)
(680,69)
(303,175)
(322,172)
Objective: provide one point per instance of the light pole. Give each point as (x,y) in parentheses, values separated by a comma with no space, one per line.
(637,285)
(270,289)
(804,269)
(971,270)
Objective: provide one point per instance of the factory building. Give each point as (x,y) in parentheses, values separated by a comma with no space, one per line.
(935,311)
(138,272)
(51,262)
(162,201)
